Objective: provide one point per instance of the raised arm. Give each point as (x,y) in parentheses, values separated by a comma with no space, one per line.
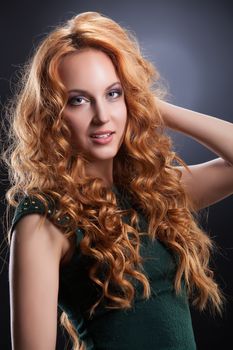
(35,254)
(212,181)
(214,133)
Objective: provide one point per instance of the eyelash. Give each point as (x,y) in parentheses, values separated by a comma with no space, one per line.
(118,91)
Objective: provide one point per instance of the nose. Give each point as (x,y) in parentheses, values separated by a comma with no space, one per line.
(101,113)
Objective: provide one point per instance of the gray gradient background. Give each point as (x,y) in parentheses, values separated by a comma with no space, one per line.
(190,42)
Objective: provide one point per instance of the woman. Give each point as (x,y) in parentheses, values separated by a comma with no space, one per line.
(112,237)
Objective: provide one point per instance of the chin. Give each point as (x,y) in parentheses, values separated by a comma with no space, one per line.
(102,157)
(104,153)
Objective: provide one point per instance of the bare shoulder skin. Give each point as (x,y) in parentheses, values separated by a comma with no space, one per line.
(36,252)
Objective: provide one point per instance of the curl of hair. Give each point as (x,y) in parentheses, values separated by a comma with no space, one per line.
(144,165)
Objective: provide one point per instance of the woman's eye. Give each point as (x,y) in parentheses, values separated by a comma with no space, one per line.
(73,101)
(118,92)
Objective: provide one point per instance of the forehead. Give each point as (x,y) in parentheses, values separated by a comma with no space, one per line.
(87,67)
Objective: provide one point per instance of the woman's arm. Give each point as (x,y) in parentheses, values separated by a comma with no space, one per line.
(35,254)
(212,181)
(215,134)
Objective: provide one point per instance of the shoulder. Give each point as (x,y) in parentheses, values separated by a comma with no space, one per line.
(31,224)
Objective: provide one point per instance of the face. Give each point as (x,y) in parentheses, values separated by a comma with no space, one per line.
(96,103)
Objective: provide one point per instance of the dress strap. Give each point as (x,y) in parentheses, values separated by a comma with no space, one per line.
(28,205)
(32,205)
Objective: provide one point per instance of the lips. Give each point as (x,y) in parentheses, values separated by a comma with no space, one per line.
(104,132)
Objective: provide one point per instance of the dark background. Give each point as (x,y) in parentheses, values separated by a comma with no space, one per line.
(190,42)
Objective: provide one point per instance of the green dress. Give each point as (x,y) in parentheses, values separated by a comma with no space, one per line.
(163,322)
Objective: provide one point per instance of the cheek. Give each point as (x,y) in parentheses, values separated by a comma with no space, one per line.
(76,126)
(121,112)
(124,117)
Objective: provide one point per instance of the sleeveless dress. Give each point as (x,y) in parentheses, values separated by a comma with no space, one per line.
(163,322)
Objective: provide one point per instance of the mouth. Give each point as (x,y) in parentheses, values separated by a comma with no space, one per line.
(102,139)
(102,136)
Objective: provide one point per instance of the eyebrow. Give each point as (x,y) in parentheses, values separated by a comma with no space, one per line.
(87,93)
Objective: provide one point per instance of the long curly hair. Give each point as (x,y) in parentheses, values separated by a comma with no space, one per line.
(42,163)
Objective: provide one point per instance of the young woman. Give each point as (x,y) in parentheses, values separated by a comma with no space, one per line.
(113,237)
